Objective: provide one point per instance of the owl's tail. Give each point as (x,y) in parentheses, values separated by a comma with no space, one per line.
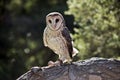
(75,51)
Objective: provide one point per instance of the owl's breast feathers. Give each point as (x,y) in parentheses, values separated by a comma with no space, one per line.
(58,40)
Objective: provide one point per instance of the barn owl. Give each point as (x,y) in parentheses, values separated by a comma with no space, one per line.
(56,36)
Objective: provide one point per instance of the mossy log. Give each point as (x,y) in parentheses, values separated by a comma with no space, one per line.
(90,69)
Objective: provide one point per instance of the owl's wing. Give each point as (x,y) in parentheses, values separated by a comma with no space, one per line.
(68,39)
(44,37)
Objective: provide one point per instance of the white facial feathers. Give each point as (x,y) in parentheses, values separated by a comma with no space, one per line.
(55,20)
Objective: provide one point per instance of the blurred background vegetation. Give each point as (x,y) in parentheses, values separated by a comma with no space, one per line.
(94,26)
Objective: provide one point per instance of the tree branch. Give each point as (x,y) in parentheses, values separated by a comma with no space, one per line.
(90,69)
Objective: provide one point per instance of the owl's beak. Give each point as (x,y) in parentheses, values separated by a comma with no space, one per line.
(54,26)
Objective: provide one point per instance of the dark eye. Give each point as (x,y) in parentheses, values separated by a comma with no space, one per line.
(57,20)
(50,21)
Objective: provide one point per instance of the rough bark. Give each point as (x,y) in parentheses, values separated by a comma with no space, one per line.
(90,69)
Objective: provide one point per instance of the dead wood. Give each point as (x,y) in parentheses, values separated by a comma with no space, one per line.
(90,69)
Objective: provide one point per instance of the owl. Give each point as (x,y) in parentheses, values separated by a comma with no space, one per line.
(56,36)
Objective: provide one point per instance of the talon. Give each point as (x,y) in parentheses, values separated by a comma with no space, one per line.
(51,63)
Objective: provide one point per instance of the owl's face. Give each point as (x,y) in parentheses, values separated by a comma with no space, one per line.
(54,20)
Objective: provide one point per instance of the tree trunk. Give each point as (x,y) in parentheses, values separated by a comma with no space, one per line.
(90,69)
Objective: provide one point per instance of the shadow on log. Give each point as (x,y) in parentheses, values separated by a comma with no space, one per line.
(90,69)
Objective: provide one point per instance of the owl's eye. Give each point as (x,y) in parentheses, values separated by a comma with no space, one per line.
(57,20)
(50,21)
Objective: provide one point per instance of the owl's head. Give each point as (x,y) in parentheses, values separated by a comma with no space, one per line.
(55,20)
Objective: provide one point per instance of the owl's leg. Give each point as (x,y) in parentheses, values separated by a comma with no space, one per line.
(60,61)
(66,59)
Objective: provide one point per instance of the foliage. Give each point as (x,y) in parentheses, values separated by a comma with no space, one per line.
(21,28)
(98,33)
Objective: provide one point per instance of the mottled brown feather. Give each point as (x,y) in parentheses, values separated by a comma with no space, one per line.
(68,39)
